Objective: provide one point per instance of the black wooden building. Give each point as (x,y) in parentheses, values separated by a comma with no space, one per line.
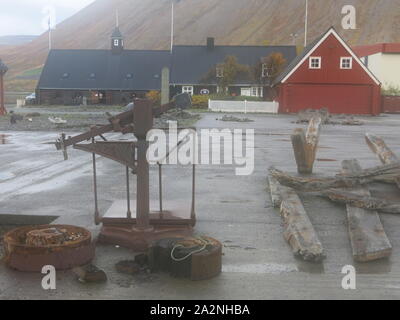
(114,76)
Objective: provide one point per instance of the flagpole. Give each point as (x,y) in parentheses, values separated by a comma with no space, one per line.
(306,25)
(172,26)
(49,34)
(117,18)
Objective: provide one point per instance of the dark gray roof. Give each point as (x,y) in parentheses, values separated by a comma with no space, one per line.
(141,69)
(191,63)
(296,61)
(100,69)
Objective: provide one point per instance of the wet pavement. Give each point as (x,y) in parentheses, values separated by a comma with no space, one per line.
(237,210)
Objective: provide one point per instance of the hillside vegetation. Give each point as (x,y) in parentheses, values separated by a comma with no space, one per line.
(146,25)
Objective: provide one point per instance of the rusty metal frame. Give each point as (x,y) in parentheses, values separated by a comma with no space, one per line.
(147,225)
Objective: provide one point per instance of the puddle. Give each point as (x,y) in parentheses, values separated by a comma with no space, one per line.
(267,268)
(6,176)
(326,160)
(3,139)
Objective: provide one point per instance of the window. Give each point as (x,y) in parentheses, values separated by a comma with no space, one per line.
(346,63)
(92,76)
(222,90)
(256,91)
(252,92)
(315,62)
(187,89)
(116,42)
(220,72)
(264,70)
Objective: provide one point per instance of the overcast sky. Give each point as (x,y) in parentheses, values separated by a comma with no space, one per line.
(29,17)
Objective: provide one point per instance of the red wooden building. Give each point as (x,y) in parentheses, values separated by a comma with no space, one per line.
(329,75)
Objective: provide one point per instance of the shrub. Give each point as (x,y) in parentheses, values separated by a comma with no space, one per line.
(391,90)
(154,96)
(200,101)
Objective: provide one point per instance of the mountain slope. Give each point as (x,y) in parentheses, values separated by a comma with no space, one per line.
(146,25)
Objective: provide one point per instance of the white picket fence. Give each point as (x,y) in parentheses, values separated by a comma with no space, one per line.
(243,106)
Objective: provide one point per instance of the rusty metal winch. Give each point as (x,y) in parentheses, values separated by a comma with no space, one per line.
(30,248)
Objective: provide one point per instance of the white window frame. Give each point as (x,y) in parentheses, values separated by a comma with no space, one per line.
(311,62)
(254,91)
(116,42)
(343,59)
(219,72)
(188,89)
(264,70)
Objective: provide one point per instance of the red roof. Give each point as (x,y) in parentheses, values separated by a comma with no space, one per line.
(363,51)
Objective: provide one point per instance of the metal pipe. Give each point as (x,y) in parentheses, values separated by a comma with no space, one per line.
(143,187)
(306,25)
(193,213)
(160,189)
(2,107)
(97,219)
(128,197)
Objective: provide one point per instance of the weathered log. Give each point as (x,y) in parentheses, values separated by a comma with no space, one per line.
(298,229)
(305,145)
(314,184)
(275,189)
(367,236)
(362,201)
(385,154)
(387,172)
(307,184)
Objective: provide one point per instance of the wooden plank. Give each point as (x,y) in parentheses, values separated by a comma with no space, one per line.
(367,237)
(385,154)
(305,145)
(298,229)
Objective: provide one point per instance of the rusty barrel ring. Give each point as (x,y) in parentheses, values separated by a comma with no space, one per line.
(23,257)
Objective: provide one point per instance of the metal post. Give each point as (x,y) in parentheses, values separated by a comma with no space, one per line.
(143,188)
(192,212)
(96,206)
(128,197)
(172,26)
(2,108)
(160,189)
(306,26)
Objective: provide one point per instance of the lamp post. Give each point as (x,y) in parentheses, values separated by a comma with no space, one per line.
(3,70)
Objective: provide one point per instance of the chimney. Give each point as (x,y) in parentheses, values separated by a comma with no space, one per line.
(210,43)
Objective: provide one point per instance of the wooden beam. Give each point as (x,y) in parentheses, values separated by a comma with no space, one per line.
(298,229)
(362,201)
(307,184)
(305,145)
(367,236)
(314,184)
(275,189)
(385,154)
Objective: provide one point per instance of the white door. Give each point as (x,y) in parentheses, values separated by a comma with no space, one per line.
(245,92)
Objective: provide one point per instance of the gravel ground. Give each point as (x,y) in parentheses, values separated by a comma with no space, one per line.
(37,119)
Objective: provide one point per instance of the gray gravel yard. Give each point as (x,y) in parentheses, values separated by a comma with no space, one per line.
(237,210)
